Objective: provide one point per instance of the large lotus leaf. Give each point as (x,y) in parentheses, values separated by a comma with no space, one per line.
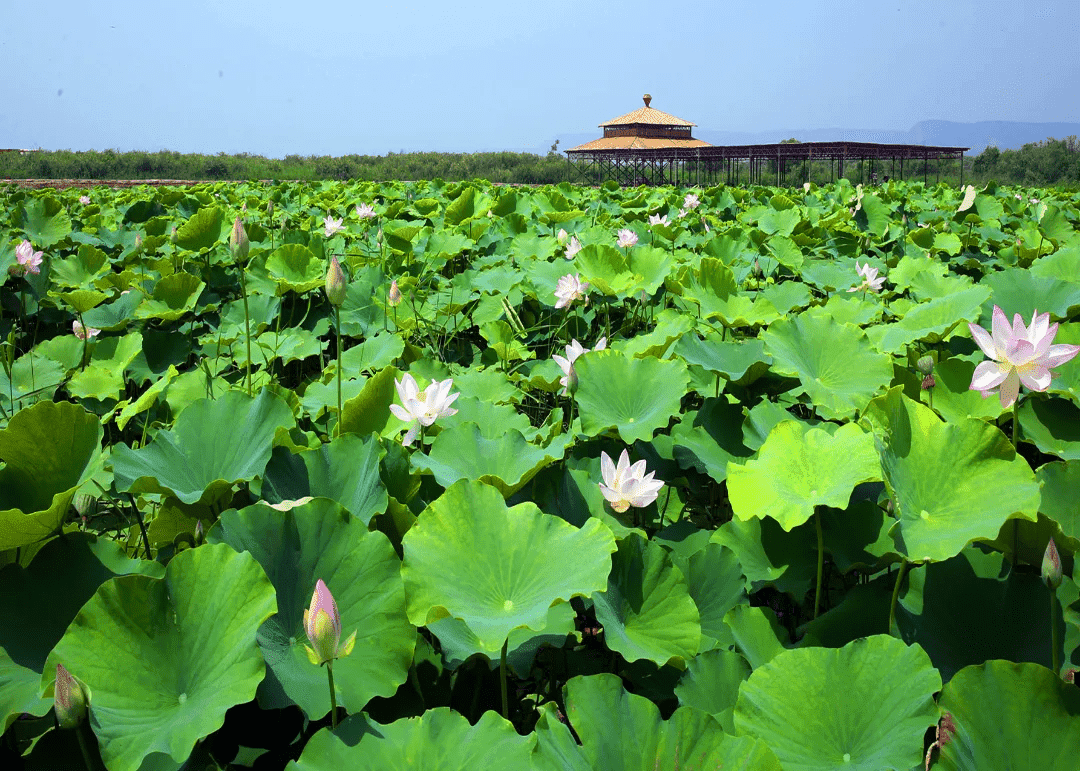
(770,556)
(1053,425)
(165,658)
(1058,483)
(711,683)
(612,272)
(295,268)
(953,397)
(711,438)
(734,359)
(63,575)
(965,611)
(80,269)
(507,463)
(757,633)
(213,444)
(1015,716)
(498,568)
(621,731)
(1018,290)
(369,410)
(438,740)
(864,706)
(173,296)
(298,547)
(670,325)
(634,396)
(1067,376)
(48,451)
(835,366)
(32,379)
(931,321)
(715,582)
(647,611)
(493,418)
(799,468)
(45,221)
(952,482)
(203,229)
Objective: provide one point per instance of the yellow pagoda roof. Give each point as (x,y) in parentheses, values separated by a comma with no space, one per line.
(637,143)
(648,116)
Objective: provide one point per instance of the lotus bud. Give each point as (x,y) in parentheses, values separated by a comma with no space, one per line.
(757,268)
(335,283)
(238,240)
(244,206)
(322,623)
(270,208)
(172,235)
(84,504)
(562,236)
(1051,566)
(69,699)
(378,237)
(395,294)
(925,365)
(138,240)
(200,532)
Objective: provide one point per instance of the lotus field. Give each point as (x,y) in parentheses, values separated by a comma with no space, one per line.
(463,477)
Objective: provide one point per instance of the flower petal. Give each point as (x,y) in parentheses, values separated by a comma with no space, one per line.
(983,339)
(988,375)
(1009,389)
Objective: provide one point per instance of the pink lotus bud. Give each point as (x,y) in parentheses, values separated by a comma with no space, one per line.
(172,235)
(238,240)
(335,283)
(69,699)
(322,623)
(138,240)
(84,333)
(395,294)
(1051,566)
(200,532)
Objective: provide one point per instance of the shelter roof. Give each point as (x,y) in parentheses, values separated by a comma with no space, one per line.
(638,143)
(647,116)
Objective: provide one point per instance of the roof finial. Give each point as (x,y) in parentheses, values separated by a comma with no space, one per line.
(647,98)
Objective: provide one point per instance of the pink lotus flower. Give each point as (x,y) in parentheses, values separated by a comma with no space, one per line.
(691,201)
(569,379)
(570,288)
(365,211)
(331,226)
(656,219)
(422,409)
(870,278)
(84,199)
(573,247)
(1018,355)
(83,333)
(627,238)
(27,259)
(625,486)
(322,623)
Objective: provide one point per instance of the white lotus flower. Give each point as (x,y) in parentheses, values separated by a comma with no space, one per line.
(570,288)
(422,409)
(870,278)
(627,238)
(84,199)
(331,225)
(691,201)
(569,379)
(625,485)
(1019,354)
(573,247)
(84,333)
(656,219)
(365,211)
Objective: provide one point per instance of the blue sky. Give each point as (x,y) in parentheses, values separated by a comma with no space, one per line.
(328,77)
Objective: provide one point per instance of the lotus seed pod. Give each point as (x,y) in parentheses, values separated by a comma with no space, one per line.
(238,240)
(69,699)
(925,365)
(335,283)
(1051,566)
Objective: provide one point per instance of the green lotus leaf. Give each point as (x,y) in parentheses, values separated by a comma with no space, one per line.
(45,221)
(493,418)
(1020,715)
(834,365)
(736,359)
(508,463)
(715,582)
(873,215)
(80,269)
(1067,376)
(498,568)
(295,268)
(932,321)
(147,399)
(953,397)
(711,684)
(799,468)
(369,411)
(612,272)
(863,612)
(757,633)
(948,243)
(952,482)
(97,382)
(213,444)
(63,575)
(621,731)
(825,723)
(1058,483)
(202,230)
(298,547)
(173,296)
(49,450)
(671,325)
(647,611)
(710,438)
(114,315)
(33,378)
(374,353)
(506,345)
(1018,290)
(971,608)
(185,646)
(634,396)
(769,555)
(439,739)
(1053,425)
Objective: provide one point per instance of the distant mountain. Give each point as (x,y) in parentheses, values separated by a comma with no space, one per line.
(1006,135)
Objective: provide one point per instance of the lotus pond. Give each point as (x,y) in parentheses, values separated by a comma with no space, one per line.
(458,476)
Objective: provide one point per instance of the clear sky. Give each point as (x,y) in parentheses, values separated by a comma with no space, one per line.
(332,77)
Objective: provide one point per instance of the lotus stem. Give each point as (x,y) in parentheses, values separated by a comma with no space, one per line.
(1054,643)
(896,593)
(247,329)
(84,747)
(337,327)
(415,681)
(333,696)
(142,526)
(1016,424)
(502,680)
(820,561)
